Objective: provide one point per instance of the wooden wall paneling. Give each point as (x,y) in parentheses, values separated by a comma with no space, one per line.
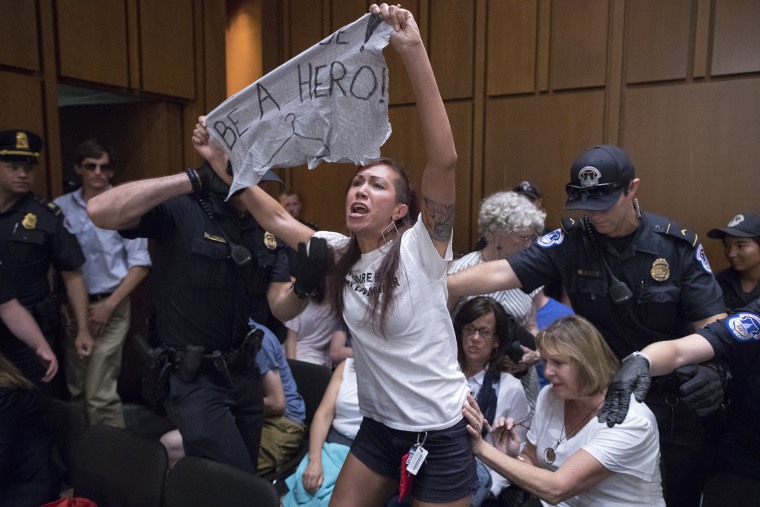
(695,148)
(21,102)
(305,20)
(273,33)
(511,46)
(472,168)
(242,44)
(614,89)
(537,138)
(323,194)
(399,89)
(701,39)
(214,18)
(49,96)
(18,48)
(133,44)
(657,40)
(461,117)
(168,65)
(736,41)
(451,47)
(579,44)
(543,44)
(92,42)
(343,12)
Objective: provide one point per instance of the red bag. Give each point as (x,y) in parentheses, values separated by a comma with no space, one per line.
(76,501)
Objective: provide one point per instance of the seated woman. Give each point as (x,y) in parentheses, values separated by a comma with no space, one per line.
(316,335)
(485,332)
(332,430)
(509,223)
(27,472)
(570,458)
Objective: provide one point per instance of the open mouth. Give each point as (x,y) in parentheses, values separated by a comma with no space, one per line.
(358,209)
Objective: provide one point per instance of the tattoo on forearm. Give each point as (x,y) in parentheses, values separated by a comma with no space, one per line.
(441,219)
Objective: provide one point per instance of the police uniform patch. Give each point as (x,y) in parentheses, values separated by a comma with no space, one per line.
(701,257)
(30,221)
(744,326)
(270,241)
(660,270)
(551,239)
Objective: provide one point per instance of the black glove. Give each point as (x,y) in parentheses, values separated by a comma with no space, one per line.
(210,182)
(311,269)
(632,377)
(702,389)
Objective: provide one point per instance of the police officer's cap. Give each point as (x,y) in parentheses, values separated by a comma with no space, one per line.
(20,146)
(743,225)
(598,177)
(528,189)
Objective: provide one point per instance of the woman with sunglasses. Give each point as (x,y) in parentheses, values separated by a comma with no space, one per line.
(486,334)
(571,459)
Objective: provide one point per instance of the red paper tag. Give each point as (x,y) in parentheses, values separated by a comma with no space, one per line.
(406,480)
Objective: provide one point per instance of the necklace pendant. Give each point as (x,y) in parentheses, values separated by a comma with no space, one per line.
(550,455)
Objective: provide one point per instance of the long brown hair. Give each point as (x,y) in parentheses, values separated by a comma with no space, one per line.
(385,275)
(11,377)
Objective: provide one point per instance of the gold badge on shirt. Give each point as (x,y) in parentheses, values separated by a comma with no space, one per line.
(213,237)
(270,241)
(30,221)
(660,270)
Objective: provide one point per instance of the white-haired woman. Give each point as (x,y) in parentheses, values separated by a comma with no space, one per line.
(509,222)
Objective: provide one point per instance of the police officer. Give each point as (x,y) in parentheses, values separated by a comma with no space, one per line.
(214,267)
(32,238)
(638,277)
(735,339)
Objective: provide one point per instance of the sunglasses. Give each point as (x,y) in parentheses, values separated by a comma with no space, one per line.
(595,192)
(90,166)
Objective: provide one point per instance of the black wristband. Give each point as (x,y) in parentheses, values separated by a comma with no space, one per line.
(194,180)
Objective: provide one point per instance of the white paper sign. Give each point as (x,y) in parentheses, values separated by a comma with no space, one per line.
(328,103)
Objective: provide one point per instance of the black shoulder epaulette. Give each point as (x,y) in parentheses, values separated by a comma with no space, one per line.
(664,226)
(48,205)
(569,224)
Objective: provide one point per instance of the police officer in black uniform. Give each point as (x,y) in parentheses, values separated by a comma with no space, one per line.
(214,267)
(32,238)
(639,278)
(736,340)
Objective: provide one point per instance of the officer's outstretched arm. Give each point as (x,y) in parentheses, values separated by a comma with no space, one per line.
(483,278)
(121,208)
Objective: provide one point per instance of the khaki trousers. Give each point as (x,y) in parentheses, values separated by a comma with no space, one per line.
(92,380)
(280,440)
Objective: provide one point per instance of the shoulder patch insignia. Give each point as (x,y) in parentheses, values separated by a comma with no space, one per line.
(675,230)
(551,239)
(701,257)
(48,205)
(744,326)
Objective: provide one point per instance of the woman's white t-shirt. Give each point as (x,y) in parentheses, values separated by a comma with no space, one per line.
(409,378)
(631,450)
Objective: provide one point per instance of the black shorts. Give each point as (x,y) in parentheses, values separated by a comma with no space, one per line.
(448,472)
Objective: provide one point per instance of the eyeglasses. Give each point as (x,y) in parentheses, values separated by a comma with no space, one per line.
(91,166)
(484,332)
(530,238)
(594,192)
